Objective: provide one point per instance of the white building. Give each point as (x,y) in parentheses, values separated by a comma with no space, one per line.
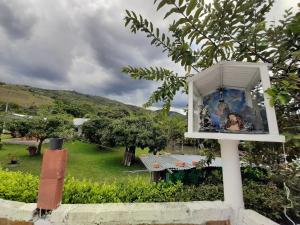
(78,122)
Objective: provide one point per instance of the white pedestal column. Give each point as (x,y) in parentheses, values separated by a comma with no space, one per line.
(232,179)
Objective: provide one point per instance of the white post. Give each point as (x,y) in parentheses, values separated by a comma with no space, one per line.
(232,179)
(271,115)
(191,108)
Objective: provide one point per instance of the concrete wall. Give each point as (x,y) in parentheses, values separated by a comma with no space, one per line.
(120,213)
(16,210)
(142,213)
(250,217)
(18,213)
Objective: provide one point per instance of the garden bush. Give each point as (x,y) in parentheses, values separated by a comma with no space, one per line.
(18,186)
(266,199)
(213,175)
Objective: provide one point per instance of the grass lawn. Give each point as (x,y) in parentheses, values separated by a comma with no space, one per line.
(85,161)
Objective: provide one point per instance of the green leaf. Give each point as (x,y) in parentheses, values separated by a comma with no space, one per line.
(261,26)
(127,21)
(199,10)
(173,10)
(191,6)
(161,4)
(283,99)
(180,21)
(128,13)
(151,27)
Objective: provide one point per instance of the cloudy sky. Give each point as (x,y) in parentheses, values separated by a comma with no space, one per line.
(81,45)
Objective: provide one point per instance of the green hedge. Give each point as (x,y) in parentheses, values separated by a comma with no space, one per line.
(213,175)
(265,199)
(18,186)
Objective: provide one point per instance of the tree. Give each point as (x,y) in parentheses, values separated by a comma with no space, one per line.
(18,125)
(41,127)
(174,128)
(98,130)
(52,126)
(138,131)
(204,34)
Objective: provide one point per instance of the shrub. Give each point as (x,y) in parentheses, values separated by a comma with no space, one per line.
(18,186)
(266,199)
(88,192)
(256,174)
(213,175)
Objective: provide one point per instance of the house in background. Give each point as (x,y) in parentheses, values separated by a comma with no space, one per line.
(78,122)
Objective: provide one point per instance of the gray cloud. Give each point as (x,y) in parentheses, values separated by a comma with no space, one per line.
(82,45)
(16,22)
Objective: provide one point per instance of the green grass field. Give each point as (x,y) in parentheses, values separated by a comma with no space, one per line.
(85,161)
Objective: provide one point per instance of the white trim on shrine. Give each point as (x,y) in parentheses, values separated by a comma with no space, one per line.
(236,75)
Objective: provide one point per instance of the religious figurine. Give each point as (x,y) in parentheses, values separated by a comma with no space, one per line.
(234,122)
(219,116)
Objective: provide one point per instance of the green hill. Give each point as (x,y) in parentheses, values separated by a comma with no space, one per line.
(32,100)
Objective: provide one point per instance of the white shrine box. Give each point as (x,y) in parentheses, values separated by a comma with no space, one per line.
(228,101)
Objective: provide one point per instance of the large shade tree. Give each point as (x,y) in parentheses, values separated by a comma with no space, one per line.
(42,128)
(17,126)
(99,130)
(174,128)
(50,127)
(204,34)
(138,131)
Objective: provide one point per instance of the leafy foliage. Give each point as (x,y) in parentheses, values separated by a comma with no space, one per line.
(265,199)
(42,128)
(289,179)
(163,93)
(213,175)
(98,131)
(173,127)
(53,126)
(139,131)
(22,126)
(17,186)
(204,34)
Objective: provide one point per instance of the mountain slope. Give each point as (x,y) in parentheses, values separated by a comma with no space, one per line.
(21,98)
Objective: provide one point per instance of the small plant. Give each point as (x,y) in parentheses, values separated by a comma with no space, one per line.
(13,159)
(32,150)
